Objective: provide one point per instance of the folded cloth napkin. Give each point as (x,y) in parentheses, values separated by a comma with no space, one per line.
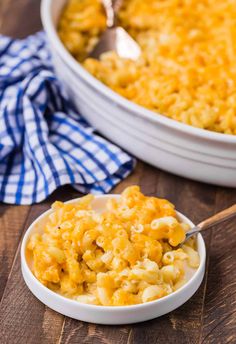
(44,143)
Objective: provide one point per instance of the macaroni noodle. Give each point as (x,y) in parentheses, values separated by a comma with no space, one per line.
(187,69)
(121,256)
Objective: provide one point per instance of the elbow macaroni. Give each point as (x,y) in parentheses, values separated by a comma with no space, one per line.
(121,256)
(187,68)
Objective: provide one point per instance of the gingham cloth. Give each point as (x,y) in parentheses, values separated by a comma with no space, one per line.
(44,143)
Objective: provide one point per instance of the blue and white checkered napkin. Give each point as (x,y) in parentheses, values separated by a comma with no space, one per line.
(44,143)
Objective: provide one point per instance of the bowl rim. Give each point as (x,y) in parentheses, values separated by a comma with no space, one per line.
(68,301)
(106,92)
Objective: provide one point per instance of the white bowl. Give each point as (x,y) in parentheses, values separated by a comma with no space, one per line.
(172,146)
(109,315)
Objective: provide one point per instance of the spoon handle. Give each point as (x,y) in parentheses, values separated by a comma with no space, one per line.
(218,218)
(111,8)
(212,221)
(116,4)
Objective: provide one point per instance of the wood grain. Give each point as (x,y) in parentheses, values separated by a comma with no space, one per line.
(11,223)
(19,18)
(219,316)
(208,317)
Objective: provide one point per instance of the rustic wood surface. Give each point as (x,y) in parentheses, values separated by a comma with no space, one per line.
(208,317)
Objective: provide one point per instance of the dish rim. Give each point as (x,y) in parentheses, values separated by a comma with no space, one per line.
(167,298)
(109,94)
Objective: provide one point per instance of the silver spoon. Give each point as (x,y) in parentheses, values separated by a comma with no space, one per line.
(211,221)
(115,38)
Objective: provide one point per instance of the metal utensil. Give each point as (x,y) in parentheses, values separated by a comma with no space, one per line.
(212,221)
(115,38)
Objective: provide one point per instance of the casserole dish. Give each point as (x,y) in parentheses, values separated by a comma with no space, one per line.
(169,145)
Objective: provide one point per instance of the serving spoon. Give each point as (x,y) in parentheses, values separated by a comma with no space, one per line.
(115,38)
(211,221)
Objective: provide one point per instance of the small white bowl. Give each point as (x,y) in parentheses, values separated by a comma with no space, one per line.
(109,315)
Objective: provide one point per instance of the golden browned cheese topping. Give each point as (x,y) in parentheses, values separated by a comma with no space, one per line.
(187,70)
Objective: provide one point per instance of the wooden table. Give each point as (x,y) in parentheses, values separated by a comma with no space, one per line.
(208,317)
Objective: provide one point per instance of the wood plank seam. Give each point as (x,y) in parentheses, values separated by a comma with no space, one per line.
(16,252)
(205,285)
(208,250)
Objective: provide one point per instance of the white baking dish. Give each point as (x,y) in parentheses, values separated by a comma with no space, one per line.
(175,147)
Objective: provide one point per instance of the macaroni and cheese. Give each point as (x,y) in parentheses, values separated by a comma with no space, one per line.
(187,70)
(122,256)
